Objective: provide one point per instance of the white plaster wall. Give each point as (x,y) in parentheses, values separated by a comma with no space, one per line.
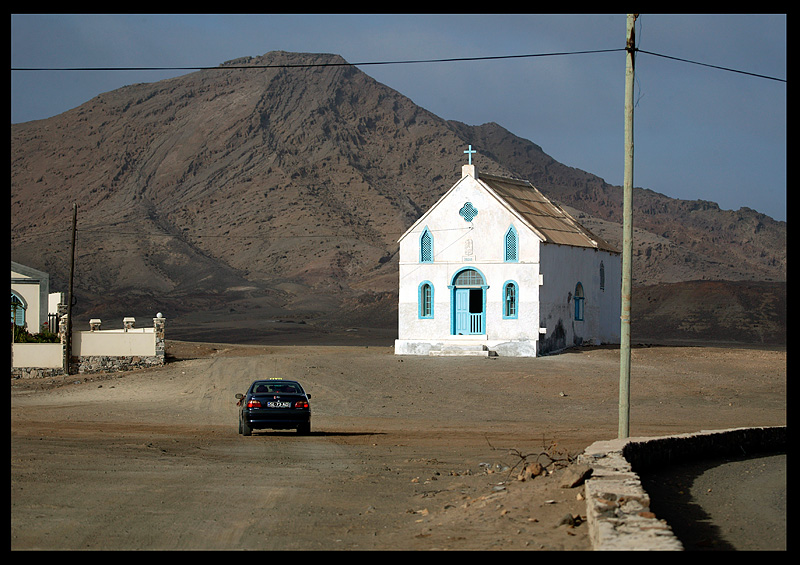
(611,299)
(114,343)
(562,267)
(409,324)
(53,300)
(40,355)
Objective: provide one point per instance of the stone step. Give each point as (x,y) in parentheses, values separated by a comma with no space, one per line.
(461,349)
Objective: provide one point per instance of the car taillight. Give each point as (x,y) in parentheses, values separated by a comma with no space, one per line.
(301,404)
(253,403)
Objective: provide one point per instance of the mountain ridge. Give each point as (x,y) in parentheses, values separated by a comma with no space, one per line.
(247,186)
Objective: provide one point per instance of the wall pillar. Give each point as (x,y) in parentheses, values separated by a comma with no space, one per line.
(158,327)
(63,327)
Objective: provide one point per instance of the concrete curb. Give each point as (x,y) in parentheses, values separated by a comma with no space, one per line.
(617,506)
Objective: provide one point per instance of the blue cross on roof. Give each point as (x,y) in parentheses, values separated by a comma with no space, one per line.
(469,152)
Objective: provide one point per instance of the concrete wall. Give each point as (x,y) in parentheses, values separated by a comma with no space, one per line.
(644,454)
(93,351)
(37,355)
(617,506)
(111,343)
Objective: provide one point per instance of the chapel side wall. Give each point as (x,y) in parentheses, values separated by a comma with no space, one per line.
(562,268)
(612,299)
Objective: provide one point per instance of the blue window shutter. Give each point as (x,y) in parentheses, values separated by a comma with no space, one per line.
(579,302)
(425,300)
(17,310)
(426,247)
(510,300)
(511,246)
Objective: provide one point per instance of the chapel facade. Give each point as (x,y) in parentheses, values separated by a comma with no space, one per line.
(495,268)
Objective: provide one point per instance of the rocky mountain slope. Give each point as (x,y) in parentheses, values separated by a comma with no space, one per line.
(279,192)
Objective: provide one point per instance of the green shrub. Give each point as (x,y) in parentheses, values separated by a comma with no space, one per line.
(21,335)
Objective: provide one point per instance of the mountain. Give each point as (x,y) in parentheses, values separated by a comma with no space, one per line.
(278,192)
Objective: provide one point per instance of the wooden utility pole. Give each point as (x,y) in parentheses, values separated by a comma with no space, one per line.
(627,238)
(68,352)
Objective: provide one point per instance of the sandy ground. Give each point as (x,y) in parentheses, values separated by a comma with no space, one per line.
(406,453)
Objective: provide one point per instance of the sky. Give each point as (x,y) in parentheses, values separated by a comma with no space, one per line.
(700,132)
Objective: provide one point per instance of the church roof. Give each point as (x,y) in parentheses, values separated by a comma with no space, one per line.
(548,220)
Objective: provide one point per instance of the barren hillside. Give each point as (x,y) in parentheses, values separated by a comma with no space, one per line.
(279,192)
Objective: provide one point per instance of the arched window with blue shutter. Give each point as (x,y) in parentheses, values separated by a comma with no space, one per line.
(425,300)
(426,246)
(579,302)
(18,308)
(510,300)
(511,242)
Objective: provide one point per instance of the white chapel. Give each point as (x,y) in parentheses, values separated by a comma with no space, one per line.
(495,268)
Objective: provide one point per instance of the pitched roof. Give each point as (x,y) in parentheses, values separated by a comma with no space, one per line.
(547,219)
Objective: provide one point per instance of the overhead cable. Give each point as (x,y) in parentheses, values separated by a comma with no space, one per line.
(305,65)
(407,62)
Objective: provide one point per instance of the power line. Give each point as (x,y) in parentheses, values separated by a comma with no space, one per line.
(402,62)
(712,66)
(308,65)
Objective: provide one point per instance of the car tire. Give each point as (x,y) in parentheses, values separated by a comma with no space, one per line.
(246,431)
(304,429)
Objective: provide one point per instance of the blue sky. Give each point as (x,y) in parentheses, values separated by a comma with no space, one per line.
(699,132)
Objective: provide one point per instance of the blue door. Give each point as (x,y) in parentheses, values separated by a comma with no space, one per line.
(468,311)
(462,311)
(469,303)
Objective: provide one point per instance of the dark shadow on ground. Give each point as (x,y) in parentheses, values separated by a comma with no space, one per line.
(670,492)
(722,504)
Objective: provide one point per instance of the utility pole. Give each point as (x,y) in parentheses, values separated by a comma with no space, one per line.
(68,352)
(627,238)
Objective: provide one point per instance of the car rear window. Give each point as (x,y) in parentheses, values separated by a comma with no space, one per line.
(275,388)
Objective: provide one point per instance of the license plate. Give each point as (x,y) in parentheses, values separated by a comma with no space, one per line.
(278,404)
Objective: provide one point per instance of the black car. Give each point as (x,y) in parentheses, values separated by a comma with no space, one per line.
(274,404)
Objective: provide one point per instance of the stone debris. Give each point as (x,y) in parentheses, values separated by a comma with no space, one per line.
(570,520)
(575,476)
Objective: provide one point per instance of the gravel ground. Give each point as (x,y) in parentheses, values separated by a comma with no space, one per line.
(406,453)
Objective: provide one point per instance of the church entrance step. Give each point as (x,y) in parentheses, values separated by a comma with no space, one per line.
(461,349)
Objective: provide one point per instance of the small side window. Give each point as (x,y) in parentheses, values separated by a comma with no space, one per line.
(579,302)
(510,300)
(426,300)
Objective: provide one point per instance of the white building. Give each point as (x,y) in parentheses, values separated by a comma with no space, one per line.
(31,299)
(494,267)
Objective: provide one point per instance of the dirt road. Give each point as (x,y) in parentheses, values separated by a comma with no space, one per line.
(406,453)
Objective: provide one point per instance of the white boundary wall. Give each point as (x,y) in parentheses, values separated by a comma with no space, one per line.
(39,355)
(114,343)
(95,350)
